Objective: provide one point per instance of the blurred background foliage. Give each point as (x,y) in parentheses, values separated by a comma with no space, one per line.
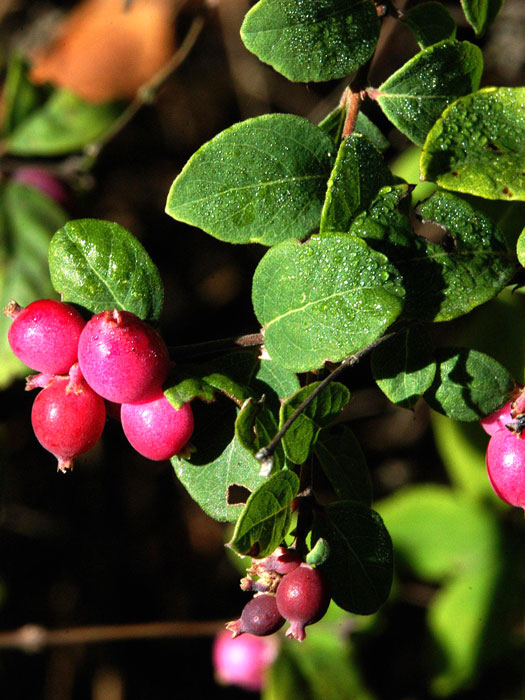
(120,541)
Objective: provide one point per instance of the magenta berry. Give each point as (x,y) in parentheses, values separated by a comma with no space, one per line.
(302,599)
(506,466)
(497,420)
(259,616)
(121,357)
(41,179)
(68,418)
(45,334)
(244,660)
(156,429)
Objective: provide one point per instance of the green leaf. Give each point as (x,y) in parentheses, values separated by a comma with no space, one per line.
(100,265)
(260,181)
(480,13)
(324,299)
(320,413)
(404,366)
(316,41)
(333,125)
(430,22)
(438,532)
(359,568)
(468,384)
(255,427)
(406,166)
(19,97)
(415,95)
(265,519)
(64,124)
(221,472)
(357,176)
(473,255)
(319,553)
(28,219)
(520,248)
(478,145)
(344,465)
(281,380)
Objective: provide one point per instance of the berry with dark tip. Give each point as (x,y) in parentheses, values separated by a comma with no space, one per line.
(122,357)
(259,616)
(68,417)
(302,598)
(44,335)
(506,466)
(497,420)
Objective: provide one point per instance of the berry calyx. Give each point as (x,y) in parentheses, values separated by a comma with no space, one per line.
(121,357)
(302,598)
(44,335)
(68,418)
(156,429)
(259,616)
(243,661)
(281,561)
(506,466)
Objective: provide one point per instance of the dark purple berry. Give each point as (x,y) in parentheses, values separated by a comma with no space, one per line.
(260,617)
(302,598)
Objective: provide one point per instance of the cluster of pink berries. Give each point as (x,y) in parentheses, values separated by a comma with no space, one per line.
(115,362)
(286,589)
(243,661)
(506,450)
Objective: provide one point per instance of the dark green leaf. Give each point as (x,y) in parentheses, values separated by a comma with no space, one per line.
(260,181)
(473,255)
(100,265)
(357,176)
(220,473)
(315,41)
(28,219)
(344,464)
(431,22)
(324,299)
(404,366)
(333,124)
(281,380)
(359,568)
(19,96)
(481,13)
(64,124)
(468,384)
(415,95)
(320,413)
(265,519)
(255,427)
(520,248)
(478,145)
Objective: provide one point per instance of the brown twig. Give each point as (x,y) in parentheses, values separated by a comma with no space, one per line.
(209,347)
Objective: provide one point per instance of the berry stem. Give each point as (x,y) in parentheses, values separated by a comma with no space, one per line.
(209,347)
(13,309)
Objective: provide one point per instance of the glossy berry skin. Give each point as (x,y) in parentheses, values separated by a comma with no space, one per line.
(243,661)
(506,466)
(44,335)
(302,598)
(156,429)
(68,418)
(121,357)
(259,616)
(497,420)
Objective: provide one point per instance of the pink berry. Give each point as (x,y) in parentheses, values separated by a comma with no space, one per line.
(302,599)
(156,429)
(41,179)
(243,661)
(497,420)
(45,334)
(121,357)
(506,466)
(68,418)
(259,617)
